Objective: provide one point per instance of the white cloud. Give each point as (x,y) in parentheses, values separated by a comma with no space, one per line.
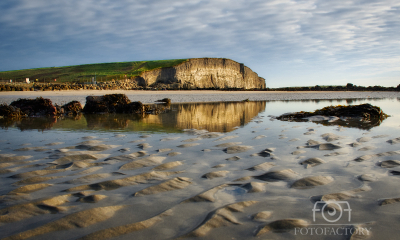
(343,34)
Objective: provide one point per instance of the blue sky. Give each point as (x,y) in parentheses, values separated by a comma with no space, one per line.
(288,42)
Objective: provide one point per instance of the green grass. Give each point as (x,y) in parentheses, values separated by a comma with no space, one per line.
(84,73)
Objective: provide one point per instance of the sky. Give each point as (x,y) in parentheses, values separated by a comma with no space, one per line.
(287,42)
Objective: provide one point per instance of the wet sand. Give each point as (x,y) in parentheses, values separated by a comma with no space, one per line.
(259,181)
(61,97)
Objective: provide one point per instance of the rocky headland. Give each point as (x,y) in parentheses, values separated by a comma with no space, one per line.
(196,73)
(204,73)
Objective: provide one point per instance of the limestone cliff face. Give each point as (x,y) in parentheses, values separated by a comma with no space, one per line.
(211,73)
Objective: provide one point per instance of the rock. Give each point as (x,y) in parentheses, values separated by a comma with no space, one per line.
(10,111)
(366,111)
(112,103)
(36,107)
(72,108)
(370,116)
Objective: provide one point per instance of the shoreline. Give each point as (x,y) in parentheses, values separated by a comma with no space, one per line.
(182,96)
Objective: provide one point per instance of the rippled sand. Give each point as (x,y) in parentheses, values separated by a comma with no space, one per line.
(259,181)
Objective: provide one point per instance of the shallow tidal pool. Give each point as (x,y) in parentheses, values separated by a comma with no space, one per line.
(202,171)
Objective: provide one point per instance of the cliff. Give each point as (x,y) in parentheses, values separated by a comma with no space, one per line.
(204,73)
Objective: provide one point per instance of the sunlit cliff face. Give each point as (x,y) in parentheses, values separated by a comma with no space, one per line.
(209,73)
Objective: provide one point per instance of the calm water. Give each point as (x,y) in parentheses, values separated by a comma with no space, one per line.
(245,124)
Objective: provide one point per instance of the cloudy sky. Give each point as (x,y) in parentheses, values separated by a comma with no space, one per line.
(288,42)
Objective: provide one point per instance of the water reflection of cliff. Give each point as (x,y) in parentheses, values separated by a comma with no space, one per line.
(214,117)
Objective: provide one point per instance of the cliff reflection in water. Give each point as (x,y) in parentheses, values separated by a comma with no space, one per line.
(214,117)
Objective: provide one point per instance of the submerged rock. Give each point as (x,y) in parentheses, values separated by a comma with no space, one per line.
(369,115)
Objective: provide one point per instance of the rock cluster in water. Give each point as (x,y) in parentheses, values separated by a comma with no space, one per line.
(364,115)
(111,103)
(38,107)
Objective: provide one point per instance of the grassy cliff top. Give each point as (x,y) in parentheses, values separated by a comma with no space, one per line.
(79,73)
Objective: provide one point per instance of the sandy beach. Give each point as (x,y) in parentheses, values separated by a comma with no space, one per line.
(61,97)
(226,171)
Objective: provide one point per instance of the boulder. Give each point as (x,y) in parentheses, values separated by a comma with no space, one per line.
(364,116)
(10,111)
(112,103)
(73,107)
(36,107)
